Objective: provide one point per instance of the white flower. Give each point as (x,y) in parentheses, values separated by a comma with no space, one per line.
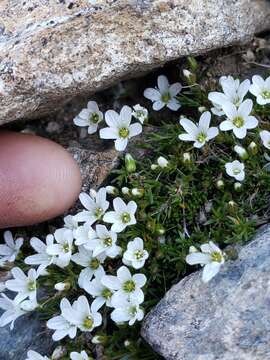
(198,133)
(92,264)
(70,222)
(105,242)
(42,258)
(241,152)
(122,216)
(62,250)
(96,207)
(162,162)
(25,286)
(84,234)
(135,255)
(91,117)
(126,310)
(233,92)
(13,309)
(62,324)
(127,286)
(79,356)
(211,257)
(235,169)
(261,89)
(33,355)
(239,119)
(85,317)
(120,128)
(164,95)
(140,113)
(265,137)
(10,250)
(101,293)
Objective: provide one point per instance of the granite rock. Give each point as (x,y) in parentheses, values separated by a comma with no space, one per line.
(226,319)
(51,51)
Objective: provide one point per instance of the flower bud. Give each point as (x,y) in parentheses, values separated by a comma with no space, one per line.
(192,249)
(160,229)
(202,109)
(253,148)
(162,162)
(130,163)
(137,192)
(125,190)
(220,184)
(99,339)
(237,186)
(191,78)
(92,193)
(241,152)
(61,286)
(154,166)
(112,190)
(127,343)
(232,204)
(59,352)
(186,157)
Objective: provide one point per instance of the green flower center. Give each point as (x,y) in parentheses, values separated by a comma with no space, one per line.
(125,217)
(107,242)
(132,310)
(266,94)
(138,254)
(129,286)
(31,286)
(106,293)
(94,118)
(88,322)
(139,114)
(123,133)
(201,137)
(236,171)
(66,247)
(165,98)
(98,212)
(237,101)
(94,263)
(216,256)
(238,121)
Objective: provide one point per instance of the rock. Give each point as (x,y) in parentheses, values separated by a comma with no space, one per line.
(52,51)
(29,333)
(227,319)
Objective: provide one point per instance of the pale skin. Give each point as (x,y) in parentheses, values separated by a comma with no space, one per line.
(39,179)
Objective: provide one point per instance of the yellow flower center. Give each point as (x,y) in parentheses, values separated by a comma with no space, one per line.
(266,94)
(125,217)
(88,322)
(238,121)
(123,133)
(31,286)
(94,263)
(216,256)
(98,212)
(107,242)
(201,137)
(129,286)
(138,254)
(107,294)
(66,248)
(166,98)
(94,118)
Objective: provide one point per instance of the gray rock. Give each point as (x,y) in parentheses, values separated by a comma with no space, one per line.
(51,51)
(29,333)
(227,319)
